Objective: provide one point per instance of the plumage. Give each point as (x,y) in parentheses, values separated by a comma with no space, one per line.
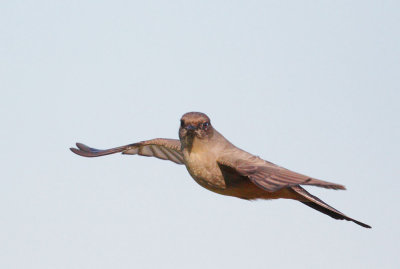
(162,148)
(269,176)
(219,166)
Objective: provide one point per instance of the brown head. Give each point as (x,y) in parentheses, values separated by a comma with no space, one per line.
(195,125)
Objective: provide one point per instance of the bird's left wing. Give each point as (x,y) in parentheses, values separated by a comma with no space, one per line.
(162,148)
(269,176)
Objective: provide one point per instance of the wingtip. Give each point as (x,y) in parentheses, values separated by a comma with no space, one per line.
(74,150)
(323,184)
(341,187)
(81,146)
(80,150)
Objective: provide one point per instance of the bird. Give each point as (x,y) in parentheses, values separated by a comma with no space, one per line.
(221,167)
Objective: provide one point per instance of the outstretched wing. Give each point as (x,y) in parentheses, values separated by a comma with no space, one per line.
(269,176)
(162,148)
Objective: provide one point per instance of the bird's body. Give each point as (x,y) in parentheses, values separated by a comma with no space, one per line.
(202,164)
(204,168)
(219,166)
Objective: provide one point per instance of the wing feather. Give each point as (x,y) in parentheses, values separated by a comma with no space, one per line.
(162,148)
(269,176)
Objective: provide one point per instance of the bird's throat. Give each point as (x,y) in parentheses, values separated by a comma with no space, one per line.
(188,142)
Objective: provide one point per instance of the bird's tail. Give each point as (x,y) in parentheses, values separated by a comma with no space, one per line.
(316,203)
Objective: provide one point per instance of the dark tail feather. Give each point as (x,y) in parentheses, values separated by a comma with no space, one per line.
(321,206)
(334,214)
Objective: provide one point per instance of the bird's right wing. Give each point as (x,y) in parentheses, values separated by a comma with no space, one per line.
(269,176)
(162,148)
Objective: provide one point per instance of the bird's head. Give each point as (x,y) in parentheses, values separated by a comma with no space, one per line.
(195,125)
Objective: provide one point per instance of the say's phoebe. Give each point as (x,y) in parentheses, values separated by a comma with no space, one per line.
(219,166)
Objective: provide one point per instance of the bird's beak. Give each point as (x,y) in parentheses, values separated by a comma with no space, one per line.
(190,128)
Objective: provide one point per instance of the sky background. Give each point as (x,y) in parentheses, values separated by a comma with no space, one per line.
(310,85)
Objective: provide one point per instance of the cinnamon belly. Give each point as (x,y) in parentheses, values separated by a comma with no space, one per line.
(247,190)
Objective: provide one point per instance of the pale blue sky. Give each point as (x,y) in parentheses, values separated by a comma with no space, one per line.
(310,85)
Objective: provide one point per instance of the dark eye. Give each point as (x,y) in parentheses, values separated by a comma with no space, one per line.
(205,125)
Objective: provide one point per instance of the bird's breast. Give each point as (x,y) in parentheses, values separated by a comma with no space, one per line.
(204,170)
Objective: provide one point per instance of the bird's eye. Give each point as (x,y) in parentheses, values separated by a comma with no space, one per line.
(205,125)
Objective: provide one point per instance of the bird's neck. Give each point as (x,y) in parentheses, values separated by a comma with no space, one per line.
(195,145)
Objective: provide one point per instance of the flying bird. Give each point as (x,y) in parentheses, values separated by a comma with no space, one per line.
(219,166)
